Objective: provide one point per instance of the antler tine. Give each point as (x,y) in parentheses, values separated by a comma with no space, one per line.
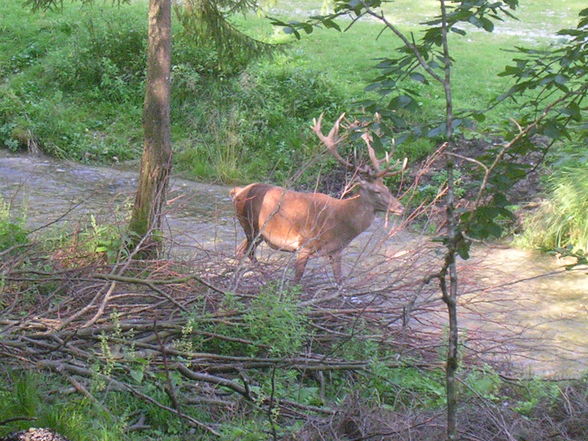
(387,172)
(368,141)
(332,139)
(378,172)
(334,132)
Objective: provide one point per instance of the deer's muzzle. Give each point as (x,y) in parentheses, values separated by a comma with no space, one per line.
(396,209)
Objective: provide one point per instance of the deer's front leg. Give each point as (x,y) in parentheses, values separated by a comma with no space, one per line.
(247,247)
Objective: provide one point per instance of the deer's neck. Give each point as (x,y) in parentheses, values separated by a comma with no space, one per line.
(358,212)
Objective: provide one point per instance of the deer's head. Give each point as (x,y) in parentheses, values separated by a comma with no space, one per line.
(380,196)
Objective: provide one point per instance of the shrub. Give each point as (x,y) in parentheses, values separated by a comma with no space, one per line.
(273,324)
(12,232)
(255,125)
(562,219)
(274,321)
(106,57)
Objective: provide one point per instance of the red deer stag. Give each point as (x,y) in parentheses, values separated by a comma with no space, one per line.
(313,223)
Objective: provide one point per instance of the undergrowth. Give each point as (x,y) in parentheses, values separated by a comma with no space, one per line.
(262,341)
(562,219)
(12,229)
(73,88)
(34,399)
(254,126)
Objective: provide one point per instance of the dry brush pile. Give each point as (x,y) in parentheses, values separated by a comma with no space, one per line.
(96,321)
(212,335)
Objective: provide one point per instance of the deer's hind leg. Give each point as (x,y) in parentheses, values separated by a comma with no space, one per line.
(335,259)
(248,247)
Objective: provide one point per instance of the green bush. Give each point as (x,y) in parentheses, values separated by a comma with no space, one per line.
(275,322)
(107,240)
(256,124)
(272,322)
(102,49)
(533,393)
(562,220)
(73,87)
(12,232)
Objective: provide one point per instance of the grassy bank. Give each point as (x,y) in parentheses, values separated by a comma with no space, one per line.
(562,219)
(73,86)
(380,401)
(73,83)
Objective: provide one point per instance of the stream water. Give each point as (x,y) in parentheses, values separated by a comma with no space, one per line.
(527,292)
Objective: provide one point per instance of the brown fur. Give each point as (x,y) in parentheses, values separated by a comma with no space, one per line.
(307,223)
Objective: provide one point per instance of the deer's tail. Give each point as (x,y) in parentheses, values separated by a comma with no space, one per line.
(235,191)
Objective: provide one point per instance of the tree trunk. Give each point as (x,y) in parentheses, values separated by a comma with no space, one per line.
(157,154)
(450,297)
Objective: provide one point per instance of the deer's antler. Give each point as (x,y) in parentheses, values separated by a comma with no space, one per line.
(332,141)
(389,169)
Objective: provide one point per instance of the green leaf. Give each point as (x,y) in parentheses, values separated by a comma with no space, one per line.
(573,110)
(474,20)
(433,36)
(418,77)
(480,117)
(560,79)
(291,30)
(377,144)
(510,15)
(436,131)
(137,375)
(552,130)
(276,22)
(385,63)
(500,200)
(487,24)
(463,249)
(402,102)
(308,28)
(509,71)
(373,86)
(330,24)
(456,123)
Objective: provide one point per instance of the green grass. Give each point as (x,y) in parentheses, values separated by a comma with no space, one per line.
(23,396)
(72,80)
(12,230)
(349,57)
(562,219)
(545,14)
(72,84)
